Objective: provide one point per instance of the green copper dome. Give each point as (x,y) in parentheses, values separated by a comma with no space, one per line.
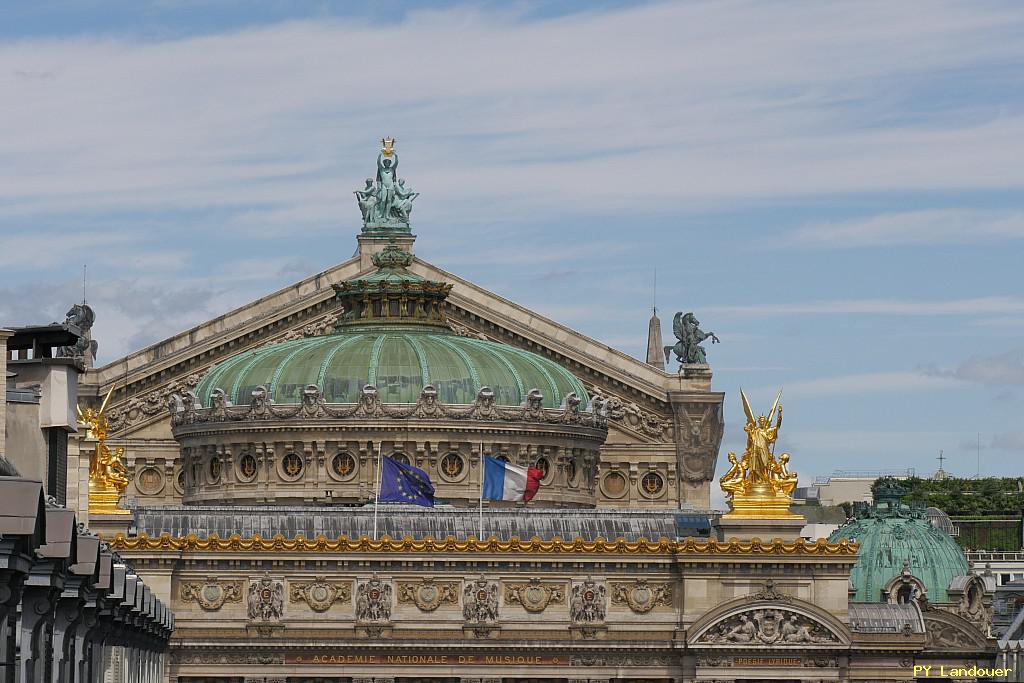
(395,336)
(891,533)
(398,359)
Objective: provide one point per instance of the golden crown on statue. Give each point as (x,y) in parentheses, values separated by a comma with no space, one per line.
(388,145)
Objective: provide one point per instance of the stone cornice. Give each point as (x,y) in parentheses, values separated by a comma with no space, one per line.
(386,544)
(187,419)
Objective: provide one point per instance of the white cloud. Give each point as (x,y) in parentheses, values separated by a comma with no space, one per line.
(1001,322)
(933,226)
(1010,441)
(264,132)
(866,383)
(976,306)
(625,110)
(32,249)
(999,369)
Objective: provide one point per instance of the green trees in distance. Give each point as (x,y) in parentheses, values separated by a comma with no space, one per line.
(965,497)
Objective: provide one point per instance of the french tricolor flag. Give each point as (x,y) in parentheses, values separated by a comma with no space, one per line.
(503,481)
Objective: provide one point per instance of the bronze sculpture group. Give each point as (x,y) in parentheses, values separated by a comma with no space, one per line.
(386,202)
(759,471)
(688,349)
(108,476)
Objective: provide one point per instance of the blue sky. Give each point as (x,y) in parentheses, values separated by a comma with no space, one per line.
(834,189)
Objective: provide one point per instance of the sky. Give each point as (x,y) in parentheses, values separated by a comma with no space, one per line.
(834,189)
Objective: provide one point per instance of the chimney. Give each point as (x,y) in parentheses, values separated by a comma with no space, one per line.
(655,346)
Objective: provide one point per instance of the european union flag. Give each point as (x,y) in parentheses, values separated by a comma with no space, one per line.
(400,483)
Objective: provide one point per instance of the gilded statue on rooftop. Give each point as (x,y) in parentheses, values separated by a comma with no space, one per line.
(386,202)
(759,483)
(108,477)
(688,349)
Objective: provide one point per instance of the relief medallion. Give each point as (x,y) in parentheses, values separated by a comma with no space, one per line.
(211,594)
(642,596)
(428,595)
(320,594)
(534,596)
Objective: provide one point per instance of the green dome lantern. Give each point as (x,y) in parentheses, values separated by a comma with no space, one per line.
(393,335)
(891,533)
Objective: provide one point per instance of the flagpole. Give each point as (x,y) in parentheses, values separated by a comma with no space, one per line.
(376,495)
(483,474)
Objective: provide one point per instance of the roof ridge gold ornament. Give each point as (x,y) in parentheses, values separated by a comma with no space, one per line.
(445,546)
(108,477)
(759,484)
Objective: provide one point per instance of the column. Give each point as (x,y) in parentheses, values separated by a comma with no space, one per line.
(65,627)
(35,626)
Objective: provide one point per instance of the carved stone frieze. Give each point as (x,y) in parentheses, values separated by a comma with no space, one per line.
(822,661)
(150,404)
(630,415)
(589,602)
(317,328)
(369,404)
(533,406)
(641,596)
(484,407)
(974,603)
(463,331)
(221,657)
(943,634)
(373,600)
(313,404)
(699,428)
(260,405)
(570,409)
(769,592)
(714,661)
(266,599)
(480,601)
(623,660)
(428,594)
(320,593)
(185,409)
(211,594)
(428,405)
(770,627)
(534,595)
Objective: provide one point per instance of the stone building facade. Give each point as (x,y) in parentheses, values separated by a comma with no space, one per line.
(255,439)
(71,610)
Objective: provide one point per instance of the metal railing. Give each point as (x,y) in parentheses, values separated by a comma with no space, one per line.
(866,474)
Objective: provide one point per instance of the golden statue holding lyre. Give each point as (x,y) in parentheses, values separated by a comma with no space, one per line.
(759,483)
(108,477)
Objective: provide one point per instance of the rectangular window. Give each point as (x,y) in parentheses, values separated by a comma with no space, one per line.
(57,464)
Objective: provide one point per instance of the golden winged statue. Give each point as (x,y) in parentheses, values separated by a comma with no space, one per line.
(108,476)
(759,483)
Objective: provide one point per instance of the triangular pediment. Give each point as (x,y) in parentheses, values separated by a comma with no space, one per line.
(178,361)
(658,421)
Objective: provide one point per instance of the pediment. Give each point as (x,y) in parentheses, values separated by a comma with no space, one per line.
(640,408)
(779,621)
(946,631)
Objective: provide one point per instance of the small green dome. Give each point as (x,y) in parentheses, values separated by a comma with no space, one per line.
(399,360)
(891,533)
